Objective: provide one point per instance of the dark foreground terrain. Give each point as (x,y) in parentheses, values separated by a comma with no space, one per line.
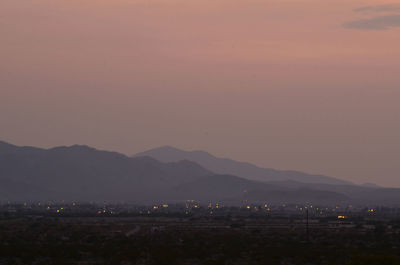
(197,239)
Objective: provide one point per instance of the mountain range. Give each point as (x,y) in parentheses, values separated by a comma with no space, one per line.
(82,173)
(218,165)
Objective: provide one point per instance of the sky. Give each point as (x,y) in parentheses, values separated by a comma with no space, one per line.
(308,85)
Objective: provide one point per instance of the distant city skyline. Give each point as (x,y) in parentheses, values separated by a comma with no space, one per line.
(304,85)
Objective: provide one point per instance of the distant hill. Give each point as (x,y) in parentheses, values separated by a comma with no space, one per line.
(233,189)
(82,173)
(232,167)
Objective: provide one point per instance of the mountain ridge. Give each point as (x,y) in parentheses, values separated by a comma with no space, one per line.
(241,169)
(82,173)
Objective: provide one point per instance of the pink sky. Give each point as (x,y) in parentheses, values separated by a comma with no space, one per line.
(283,84)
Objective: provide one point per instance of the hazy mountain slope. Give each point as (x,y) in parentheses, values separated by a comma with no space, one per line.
(82,173)
(357,194)
(241,169)
(19,191)
(85,173)
(234,189)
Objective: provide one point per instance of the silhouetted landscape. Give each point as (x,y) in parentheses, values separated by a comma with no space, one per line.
(199,132)
(82,173)
(80,205)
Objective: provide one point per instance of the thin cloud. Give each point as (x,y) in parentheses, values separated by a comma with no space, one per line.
(375,23)
(379,8)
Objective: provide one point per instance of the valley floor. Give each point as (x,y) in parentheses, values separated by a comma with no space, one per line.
(161,240)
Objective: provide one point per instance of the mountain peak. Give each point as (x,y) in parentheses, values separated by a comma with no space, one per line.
(167,148)
(228,166)
(5,144)
(75,147)
(6,147)
(370,185)
(170,150)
